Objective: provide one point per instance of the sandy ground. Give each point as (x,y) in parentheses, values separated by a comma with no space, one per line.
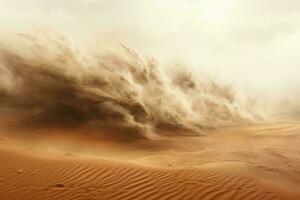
(255,161)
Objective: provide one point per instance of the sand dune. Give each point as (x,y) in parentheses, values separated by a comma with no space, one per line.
(242,162)
(26,177)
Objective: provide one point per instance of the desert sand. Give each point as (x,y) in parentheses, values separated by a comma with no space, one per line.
(120,127)
(149,99)
(253,161)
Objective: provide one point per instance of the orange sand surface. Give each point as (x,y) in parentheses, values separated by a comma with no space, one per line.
(255,161)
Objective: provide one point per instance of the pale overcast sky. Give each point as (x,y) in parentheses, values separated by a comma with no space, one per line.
(254,43)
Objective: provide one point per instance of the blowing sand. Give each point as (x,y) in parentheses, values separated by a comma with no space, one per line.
(258,161)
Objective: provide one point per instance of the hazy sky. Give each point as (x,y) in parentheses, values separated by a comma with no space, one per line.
(255,43)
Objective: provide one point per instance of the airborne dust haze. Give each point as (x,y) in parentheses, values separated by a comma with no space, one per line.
(47,80)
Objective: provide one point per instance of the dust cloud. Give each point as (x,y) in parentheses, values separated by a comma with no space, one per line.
(48,82)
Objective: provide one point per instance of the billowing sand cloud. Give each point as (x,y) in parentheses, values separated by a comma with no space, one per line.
(48,82)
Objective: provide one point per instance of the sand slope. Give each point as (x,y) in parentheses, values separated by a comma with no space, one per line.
(28,177)
(244,162)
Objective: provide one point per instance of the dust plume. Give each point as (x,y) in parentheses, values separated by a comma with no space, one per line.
(48,82)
